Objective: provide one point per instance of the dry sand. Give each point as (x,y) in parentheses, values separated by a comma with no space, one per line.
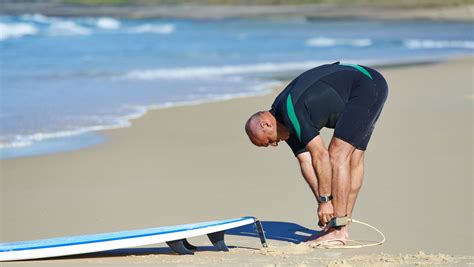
(194,163)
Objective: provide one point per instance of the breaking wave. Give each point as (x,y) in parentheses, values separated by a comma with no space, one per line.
(66,28)
(16,30)
(153,28)
(210,71)
(328,42)
(438,44)
(108,23)
(20,141)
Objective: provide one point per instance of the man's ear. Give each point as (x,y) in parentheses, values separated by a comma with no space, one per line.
(265,124)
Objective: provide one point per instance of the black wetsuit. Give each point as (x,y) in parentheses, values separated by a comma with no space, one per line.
(346,97)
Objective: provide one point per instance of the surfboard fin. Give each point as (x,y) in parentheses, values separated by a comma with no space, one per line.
(188,245)
(217,239)
(181,247)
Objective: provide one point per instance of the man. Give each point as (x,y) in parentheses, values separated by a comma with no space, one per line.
(346,97)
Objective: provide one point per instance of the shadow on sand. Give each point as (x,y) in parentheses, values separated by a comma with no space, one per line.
(281,231)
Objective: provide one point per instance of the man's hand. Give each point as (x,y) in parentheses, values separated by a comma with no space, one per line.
(325,212)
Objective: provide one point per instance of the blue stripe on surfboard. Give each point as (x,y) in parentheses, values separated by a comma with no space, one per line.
(96,238)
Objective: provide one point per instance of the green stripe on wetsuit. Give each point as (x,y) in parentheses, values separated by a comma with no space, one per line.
(359,68)
(292,115)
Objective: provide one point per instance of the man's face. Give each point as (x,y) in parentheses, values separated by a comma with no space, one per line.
(266,136)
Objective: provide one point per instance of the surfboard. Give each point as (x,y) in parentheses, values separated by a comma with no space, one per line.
(174,236)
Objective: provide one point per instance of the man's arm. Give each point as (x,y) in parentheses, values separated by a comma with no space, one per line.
(321,163)
(307,170)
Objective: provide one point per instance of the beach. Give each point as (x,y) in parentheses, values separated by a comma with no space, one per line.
(194,163)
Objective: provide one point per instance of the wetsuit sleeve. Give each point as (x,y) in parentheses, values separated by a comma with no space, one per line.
(295,145)
(308,132)
(302,125)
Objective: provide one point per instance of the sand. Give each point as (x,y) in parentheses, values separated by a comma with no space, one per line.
(194,163)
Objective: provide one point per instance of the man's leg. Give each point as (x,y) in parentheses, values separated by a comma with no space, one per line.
(357,174)
(341,154)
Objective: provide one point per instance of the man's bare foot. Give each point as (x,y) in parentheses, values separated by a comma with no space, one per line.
(318,234)
(331,237)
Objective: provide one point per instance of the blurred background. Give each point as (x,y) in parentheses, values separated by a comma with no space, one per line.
(70,68)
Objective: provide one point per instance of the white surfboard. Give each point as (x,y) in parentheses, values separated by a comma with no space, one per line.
(174,236)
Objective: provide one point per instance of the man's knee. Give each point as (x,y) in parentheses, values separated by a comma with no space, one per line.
(340,152)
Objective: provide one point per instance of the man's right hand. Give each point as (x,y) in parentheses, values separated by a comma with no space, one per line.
(325,212)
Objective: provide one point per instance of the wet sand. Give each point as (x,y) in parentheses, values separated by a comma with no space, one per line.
(194,163)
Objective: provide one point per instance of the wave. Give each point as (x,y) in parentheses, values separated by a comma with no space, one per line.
(438,44)
(211,71)
(107,23)
(16,30)
(28,140)
(66,28)
(328,42)
(62,27)
(21,141)
(263,68)
(52,26)
(38,18)
(153,28)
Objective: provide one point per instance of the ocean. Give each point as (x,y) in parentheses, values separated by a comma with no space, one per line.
(62,80)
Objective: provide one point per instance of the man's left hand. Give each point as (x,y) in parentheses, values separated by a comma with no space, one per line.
(325,212)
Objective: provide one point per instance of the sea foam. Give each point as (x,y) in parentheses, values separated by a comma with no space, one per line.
(38,18)
(328,42)
(153,28)
(28,140)
(108,23)
(211,71)
(66,28)
(438,44)
(16,30)
(21,141)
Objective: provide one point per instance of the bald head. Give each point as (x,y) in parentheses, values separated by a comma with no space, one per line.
(252,127)
(261,129)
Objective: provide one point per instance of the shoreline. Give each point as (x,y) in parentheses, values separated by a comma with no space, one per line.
(201,153)
(83,138)
(204,12)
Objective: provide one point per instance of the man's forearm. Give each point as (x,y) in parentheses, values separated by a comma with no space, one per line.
(310,177)
(322,166)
